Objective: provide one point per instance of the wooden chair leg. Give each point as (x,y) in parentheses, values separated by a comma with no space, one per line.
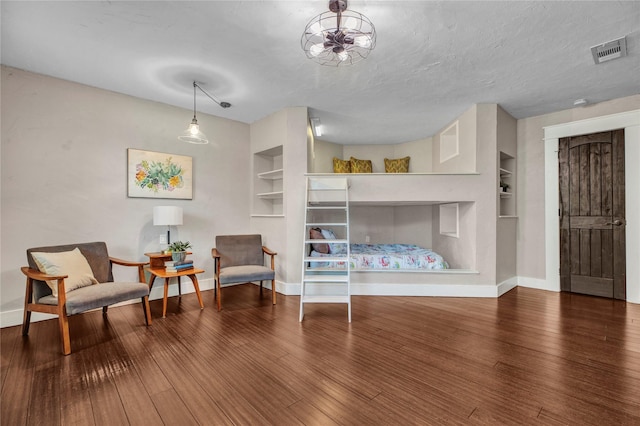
(273,291)
(26,322)
(147,310)
(104,310)
(218,295)
(63,322)
(28,298)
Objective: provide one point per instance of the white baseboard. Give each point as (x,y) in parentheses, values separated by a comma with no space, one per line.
(436,290)
(12,318)
(537,283)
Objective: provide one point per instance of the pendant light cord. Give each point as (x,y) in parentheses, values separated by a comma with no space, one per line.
(194,100)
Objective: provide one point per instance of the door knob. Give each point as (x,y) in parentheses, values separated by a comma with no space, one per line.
(615,223)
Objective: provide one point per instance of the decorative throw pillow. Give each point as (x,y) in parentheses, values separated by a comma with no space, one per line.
(398,165)
(71,263)
(316,234)
(334,248)
(360,166)
(341,166)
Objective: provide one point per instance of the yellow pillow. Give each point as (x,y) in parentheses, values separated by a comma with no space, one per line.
(398,165)
(360,166)
(71,263)
(341,166)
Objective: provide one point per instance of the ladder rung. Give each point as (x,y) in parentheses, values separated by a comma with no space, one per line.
(326,207)
(327,224)
(325,299)
(312,278)
(327,259)
(327,270)
(326,241)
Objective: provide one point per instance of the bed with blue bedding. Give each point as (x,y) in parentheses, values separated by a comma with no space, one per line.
(384,257)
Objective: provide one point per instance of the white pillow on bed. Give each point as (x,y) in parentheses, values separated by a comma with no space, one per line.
(333,247)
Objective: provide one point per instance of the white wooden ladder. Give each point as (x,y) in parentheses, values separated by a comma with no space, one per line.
(326,207)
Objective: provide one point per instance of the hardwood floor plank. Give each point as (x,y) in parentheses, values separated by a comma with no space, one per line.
(8,340)
(172,409)
(309,415)
(16,391)
(528,357)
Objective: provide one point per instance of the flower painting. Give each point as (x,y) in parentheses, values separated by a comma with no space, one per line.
(159,175)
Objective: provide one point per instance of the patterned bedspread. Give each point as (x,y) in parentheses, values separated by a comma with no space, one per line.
(386,256)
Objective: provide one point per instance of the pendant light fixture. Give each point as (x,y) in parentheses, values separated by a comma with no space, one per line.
(338,37)
(193,134)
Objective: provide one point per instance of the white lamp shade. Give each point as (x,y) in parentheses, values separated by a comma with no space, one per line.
(167,215)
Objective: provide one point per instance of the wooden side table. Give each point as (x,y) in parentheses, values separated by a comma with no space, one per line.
(157,269)
(162,273)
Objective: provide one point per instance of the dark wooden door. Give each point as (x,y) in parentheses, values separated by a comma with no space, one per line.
(592,222)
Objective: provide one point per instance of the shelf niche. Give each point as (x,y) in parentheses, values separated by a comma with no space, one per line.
(268,186)
(506,174)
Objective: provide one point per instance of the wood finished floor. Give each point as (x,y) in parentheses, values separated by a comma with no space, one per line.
(529,357)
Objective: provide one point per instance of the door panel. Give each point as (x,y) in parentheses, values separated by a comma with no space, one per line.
(592,245)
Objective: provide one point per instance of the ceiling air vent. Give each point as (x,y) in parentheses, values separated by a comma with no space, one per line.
(609,51)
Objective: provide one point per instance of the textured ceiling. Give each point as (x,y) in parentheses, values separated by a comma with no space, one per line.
(433,60)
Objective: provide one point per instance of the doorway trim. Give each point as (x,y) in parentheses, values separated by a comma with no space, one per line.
(630,122)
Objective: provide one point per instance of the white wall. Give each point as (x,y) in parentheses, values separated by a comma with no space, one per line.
(419,151)
(64,165)
(461,252)
(391,224)
(287,127)
(466,160)
(323,154)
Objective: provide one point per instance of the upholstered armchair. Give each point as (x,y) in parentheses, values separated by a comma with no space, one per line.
(69,279)
(239,259)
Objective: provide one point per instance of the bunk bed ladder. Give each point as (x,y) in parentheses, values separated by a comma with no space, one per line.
(326,207)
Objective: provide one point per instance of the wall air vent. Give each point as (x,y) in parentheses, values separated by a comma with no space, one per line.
(609,51)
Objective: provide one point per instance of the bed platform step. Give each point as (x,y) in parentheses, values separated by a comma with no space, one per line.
(326,206)
(326,299)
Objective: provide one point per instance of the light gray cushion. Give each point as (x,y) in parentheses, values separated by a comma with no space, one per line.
(99,295)
(245,274)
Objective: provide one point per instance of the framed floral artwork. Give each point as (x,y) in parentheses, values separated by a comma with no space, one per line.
(159,175)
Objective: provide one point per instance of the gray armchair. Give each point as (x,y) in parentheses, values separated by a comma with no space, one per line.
(40,297)
(239,259)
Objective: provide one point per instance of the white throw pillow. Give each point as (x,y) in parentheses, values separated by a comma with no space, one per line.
(71,263)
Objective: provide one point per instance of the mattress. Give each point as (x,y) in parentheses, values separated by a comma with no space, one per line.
(386,257)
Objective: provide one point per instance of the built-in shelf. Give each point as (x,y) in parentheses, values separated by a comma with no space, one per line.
(272,174)
(271,195)
(506,176)
(449,219)
(268,188)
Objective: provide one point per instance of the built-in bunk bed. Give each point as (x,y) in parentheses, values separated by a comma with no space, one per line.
(447,212)
(397,246)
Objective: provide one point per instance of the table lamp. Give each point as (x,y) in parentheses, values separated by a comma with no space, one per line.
(167,215)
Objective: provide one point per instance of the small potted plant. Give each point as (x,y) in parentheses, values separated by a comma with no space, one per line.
(178,250)
(504,186)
